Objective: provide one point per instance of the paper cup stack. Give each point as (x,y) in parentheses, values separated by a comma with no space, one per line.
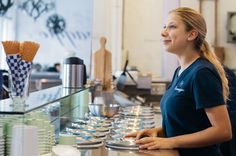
(19,57)
(24,141)
(2,141)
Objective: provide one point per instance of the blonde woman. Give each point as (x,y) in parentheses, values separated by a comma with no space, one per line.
(195,118)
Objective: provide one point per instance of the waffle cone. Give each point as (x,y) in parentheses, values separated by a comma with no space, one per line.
(29,51)
(11,47)
(21,48)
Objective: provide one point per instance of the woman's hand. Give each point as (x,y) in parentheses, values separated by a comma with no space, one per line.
(156,143)
(154,132)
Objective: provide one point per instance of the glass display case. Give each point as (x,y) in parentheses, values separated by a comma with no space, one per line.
(34,128)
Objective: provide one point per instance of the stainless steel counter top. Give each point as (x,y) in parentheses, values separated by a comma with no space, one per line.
(104,151)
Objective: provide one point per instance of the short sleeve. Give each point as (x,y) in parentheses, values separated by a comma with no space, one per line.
(207,89)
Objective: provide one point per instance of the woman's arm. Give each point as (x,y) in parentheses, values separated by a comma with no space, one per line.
(220,131)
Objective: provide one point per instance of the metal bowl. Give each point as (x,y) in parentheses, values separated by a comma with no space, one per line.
(104,110)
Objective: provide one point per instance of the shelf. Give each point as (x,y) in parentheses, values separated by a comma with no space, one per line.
(38,99)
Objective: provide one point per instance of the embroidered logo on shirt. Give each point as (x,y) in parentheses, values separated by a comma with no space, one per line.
(179,89)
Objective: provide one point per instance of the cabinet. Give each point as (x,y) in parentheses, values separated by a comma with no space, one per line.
(35,128)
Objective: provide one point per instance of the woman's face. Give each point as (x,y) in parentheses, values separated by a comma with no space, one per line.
(174,35)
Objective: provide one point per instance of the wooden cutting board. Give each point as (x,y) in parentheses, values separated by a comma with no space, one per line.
(102,65)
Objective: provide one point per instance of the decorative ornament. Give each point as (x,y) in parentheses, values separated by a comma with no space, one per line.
(5,5)
(56,24)
(232,23)
(35,8)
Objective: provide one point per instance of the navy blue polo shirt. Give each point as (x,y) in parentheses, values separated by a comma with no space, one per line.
(182,106)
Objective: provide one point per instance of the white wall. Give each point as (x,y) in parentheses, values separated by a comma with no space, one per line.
(141,36)
(224,6)
(143,21)
(107,21)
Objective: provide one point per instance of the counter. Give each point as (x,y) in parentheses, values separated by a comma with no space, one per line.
(104,151)
(57,107)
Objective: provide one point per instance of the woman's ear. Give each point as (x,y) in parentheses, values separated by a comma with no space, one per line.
(192,35)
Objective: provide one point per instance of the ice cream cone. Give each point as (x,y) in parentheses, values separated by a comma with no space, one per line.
(11,47)
(29,51)
(21,48)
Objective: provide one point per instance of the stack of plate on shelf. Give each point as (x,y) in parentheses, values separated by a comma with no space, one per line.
(96,127)
(124,144)
(100,121)
(88,133)
(88,142)
(2,141)
(80,140)
(134,123)
(67,139)
(137,112)
(131,119)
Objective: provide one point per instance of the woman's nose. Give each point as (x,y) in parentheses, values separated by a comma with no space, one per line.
(164,33)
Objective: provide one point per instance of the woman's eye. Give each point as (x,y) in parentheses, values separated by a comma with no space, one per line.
(171,26)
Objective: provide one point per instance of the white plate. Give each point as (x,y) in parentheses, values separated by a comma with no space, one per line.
(124,142)
(89,146)
(122,147)
(81,141)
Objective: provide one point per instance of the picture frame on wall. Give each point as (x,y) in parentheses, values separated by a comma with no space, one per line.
(231,27)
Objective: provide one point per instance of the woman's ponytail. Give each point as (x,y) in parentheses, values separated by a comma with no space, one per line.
(206,53)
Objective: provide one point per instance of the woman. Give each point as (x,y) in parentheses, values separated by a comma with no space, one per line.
(195,118)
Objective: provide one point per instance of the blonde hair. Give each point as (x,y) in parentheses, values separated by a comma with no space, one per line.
(195,21)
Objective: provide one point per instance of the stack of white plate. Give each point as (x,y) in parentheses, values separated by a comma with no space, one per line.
(89,142)
(138,111)
(131,119)
(125,144)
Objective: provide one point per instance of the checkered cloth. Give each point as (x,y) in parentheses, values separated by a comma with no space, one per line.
(20,70)
(23,74)
(13,63)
